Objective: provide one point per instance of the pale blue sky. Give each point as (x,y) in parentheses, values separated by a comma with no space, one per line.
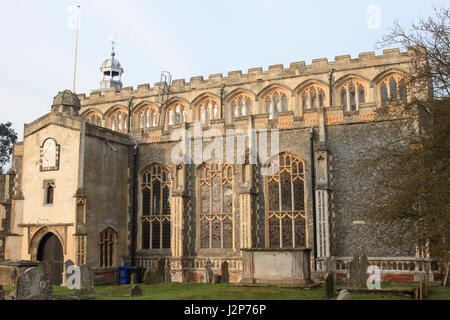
(187,38)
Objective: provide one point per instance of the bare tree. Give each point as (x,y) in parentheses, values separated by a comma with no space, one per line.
(411,165)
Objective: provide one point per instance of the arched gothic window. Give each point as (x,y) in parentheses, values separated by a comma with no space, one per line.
(276,101)
(155,214)
(207,110)
(313,96)
(352,94)
(148,117)
(94,118)
(216,205)
(285,210)
(176,114)
(107,248)
(393,87)
(241,106)
(119,121)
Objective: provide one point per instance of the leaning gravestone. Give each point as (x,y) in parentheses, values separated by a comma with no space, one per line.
(148,276)
(86,280)
(209,273)
(358,272)
(225,275)
(329,285)
(344,295)
(446,282)
(33,284)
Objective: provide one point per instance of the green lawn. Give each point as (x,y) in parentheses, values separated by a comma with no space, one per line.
(199,291)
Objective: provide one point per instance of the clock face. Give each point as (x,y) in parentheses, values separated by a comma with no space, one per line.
(49,155)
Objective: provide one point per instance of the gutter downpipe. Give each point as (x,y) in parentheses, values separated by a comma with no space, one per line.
(313,187)
(134,205)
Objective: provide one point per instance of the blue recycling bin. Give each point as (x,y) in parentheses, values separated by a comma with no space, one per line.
(124,275)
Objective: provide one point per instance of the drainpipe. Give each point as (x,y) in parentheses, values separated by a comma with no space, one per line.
(130,101)
(313,187)
(222,113)
(134,205)
(330,80)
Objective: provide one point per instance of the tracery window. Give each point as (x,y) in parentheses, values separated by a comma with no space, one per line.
(313,97)
(276,101)
(352,94)
(241,106)
(94,118)
(119,121)
(216,205)
(286,224)
(107,248)
(207,110)
(176,114)
(393,88)
(148,117)
(155,215)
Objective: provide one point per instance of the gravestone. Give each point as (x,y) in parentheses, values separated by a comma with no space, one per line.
(225,275)
(168,277)
(209,273)
(344,295)
(358,271)
(329,284)
(86,280)
(161,266)
(2,294)
(135,291)
(133,278)
(148,279)
(155,275)
(33,284)
(217,279)
(446,282)
(330,266)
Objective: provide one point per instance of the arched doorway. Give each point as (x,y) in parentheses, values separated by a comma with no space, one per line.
(50,252)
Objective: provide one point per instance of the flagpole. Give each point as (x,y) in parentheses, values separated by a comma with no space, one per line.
(76,50)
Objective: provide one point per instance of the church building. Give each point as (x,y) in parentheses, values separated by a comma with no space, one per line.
(95,180)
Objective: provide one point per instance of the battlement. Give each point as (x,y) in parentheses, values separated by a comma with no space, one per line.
(299,68)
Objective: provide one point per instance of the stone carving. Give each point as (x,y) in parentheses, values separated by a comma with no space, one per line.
(358,272)
(209,273)
(225,275)
(135,291)
(86,280)
(33,284)
(344,295)
(329,284)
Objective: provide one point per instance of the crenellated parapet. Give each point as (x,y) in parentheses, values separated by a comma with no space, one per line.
(349,90)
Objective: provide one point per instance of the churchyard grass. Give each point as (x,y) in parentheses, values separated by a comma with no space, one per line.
(198,291)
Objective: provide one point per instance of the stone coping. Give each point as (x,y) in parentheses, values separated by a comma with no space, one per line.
(20,263)
(276,249)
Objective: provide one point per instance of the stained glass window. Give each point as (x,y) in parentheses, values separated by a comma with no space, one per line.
(155,216)
(286,204)
(216,205)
